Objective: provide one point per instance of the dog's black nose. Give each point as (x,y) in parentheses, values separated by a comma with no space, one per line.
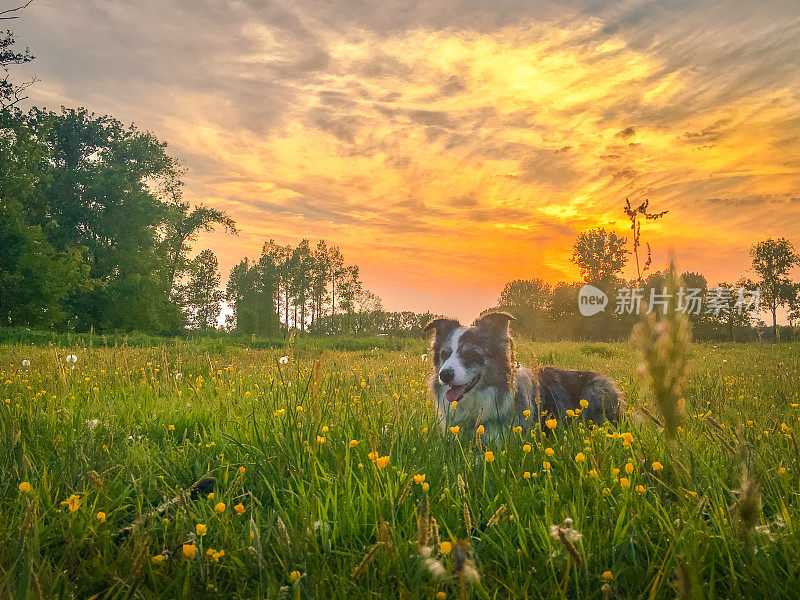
(446,375)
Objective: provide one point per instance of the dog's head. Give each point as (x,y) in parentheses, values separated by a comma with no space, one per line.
(467,357)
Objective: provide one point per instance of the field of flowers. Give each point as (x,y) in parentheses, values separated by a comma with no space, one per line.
(178,471)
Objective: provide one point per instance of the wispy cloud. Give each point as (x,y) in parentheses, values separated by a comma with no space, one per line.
(451,146)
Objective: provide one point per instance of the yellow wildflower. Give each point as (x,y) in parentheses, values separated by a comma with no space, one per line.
(526,448)
(73,503)
(551,423)
(489,456)
(25,487)
(657,466)
(579,457)
(220,507)
(382,461)
(419,478)
(455,429)
(239,508)
(445,547)
(294,576)
(101,516)
(200,529)
(353,443)
(189,551)
(624,483)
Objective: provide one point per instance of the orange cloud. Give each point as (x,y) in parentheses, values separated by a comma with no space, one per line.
(447,160)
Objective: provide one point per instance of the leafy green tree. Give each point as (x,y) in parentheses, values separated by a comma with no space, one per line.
(773,260)
(183,224)
(98,200)
(320,277)
(337,274)
(35,277)
(11,93)
(203,296)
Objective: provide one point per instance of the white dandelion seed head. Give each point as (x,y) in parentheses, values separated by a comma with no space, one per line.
(471,573)
(72,359)
(178,375)
(92,423)
(26,363)
(283,360)
(435,568)
(424,357)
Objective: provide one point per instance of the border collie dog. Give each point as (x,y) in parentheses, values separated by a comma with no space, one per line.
(474,368)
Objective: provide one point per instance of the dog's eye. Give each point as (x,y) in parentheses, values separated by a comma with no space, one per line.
(472,356)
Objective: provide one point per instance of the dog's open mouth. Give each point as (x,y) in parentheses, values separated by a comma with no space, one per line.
(457,392)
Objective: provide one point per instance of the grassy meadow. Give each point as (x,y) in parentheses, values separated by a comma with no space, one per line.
(333,480)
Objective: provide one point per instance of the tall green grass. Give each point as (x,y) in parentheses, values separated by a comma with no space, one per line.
(322,519)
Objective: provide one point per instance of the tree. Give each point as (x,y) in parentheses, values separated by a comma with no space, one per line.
(203,296)
(337,273)
(634,216)
(11,93)
(793,315)
(183,224)
(600,255)
(529,302)
(300,269)
(773,260)
(320,275)
(727,309)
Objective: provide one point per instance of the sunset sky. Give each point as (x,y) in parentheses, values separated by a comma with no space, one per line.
(448,147)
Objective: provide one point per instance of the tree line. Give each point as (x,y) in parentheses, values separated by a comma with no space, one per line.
(308,288)
(551,312)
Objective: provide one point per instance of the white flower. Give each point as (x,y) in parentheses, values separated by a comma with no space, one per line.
(72,359)
(178,375)
(424,357)
(92,423)
(26,363)
(283,360)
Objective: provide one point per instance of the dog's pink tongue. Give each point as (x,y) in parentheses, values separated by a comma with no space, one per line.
(455,392)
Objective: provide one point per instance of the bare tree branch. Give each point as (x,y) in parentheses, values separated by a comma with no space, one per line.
(12,10)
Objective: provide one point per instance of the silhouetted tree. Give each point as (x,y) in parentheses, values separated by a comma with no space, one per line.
(773,260)
(600,255)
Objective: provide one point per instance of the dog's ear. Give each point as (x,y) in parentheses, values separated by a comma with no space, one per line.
(441,326)
(496,322)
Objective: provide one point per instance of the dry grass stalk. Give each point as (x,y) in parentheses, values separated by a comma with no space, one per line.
(406,491)
(496,516)
(368,558)
(664,344)
(747,507)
